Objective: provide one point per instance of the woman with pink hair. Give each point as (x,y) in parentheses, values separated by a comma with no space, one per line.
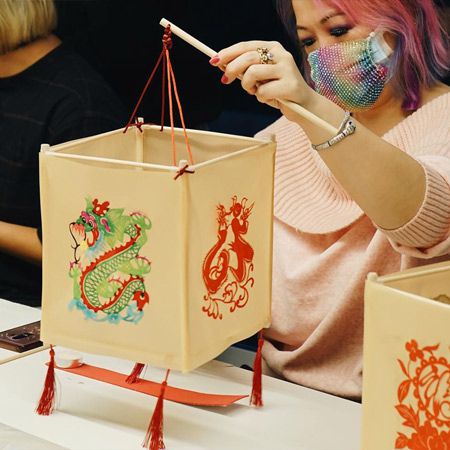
(373,197)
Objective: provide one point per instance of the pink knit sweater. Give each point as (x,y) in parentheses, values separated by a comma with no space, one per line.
(324,246)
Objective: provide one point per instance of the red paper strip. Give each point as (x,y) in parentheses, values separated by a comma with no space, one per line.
(151,388)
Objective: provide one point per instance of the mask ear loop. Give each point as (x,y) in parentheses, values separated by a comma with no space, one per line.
(380,49)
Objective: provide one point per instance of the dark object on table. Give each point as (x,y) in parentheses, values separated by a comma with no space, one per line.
(21,339)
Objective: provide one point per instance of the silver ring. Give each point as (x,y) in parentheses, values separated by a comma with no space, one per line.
(265,57)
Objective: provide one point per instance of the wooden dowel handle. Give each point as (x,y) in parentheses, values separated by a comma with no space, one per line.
(188,38)
(294,107)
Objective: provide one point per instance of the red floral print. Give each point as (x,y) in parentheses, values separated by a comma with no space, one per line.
(424,399)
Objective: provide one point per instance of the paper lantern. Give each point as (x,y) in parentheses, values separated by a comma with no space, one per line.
(406,379)
(142,266)
(157,247)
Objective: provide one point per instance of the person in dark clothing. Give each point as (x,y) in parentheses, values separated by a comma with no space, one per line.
(50,95)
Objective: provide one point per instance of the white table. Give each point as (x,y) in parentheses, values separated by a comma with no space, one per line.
(13,315)
(97,416)
(12,439)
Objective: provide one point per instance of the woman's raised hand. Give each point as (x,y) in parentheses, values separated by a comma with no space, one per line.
(266,70)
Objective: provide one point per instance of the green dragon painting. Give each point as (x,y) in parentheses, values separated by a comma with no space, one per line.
(107,270)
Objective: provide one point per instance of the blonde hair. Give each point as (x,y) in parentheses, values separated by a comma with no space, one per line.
(23,21)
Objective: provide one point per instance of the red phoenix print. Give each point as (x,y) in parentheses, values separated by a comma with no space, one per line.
(229,263)
(424,399)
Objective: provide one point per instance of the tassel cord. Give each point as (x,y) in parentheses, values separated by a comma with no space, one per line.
(256,395)
(154,439)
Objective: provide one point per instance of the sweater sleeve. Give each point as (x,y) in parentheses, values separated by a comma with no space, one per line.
(427,234)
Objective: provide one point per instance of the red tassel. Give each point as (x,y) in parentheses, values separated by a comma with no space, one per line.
(154,435)
(47,400)
(135,373)
(256,396)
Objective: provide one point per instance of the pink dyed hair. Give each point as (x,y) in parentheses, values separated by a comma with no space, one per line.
(421,57)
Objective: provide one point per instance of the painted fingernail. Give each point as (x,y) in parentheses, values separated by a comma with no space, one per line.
(224,79)
(214,60)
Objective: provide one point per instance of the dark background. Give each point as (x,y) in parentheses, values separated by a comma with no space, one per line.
(122,40)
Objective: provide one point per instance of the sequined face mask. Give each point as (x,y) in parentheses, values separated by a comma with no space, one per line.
(352,74)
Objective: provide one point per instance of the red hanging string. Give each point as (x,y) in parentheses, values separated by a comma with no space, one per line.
(180,109)
(168,76)
(172,130)
(163,94)
(147,84)
(154,439)
(167,45)
(139,125)
(183,170)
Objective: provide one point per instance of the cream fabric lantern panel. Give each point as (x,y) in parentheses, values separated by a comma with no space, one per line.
(140,266)
(406,382)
